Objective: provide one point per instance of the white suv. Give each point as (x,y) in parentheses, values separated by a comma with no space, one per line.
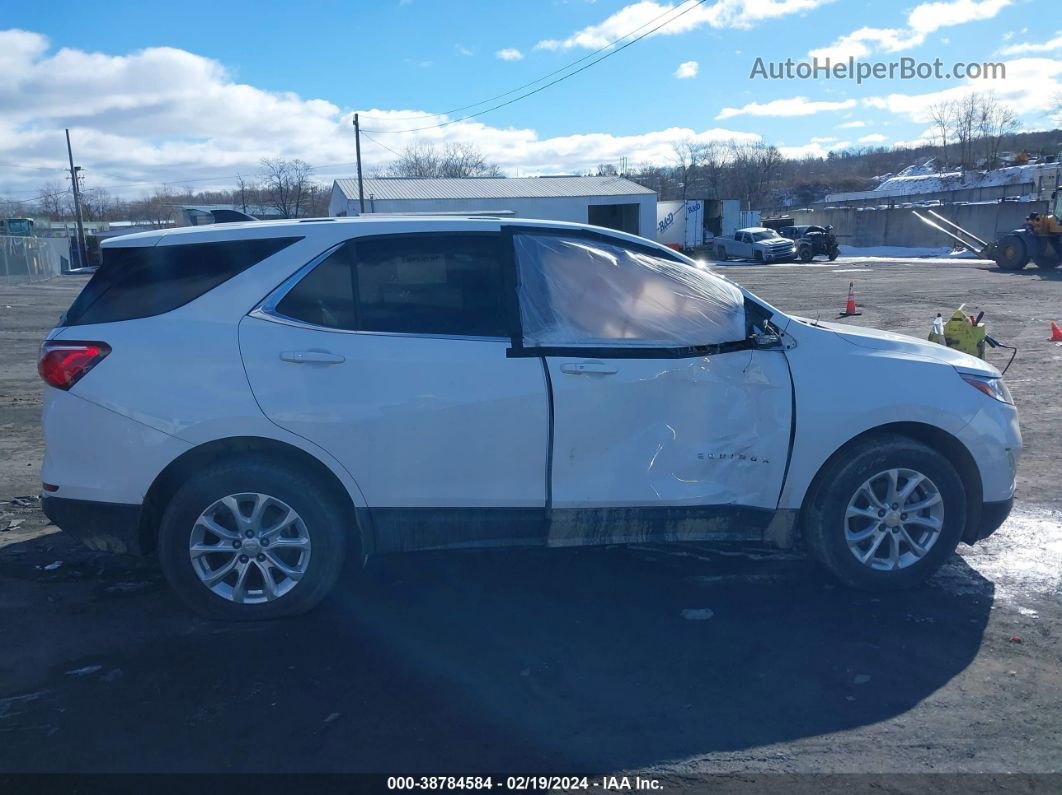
(255,401)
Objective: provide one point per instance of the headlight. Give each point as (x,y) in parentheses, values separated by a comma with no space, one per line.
(993,387)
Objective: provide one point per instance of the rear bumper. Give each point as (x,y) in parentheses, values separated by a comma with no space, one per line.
(106,526)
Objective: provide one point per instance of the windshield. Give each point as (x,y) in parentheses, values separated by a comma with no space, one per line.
(767,234)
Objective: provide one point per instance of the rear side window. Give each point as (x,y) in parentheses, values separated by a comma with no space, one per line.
(144,281)
(448,285)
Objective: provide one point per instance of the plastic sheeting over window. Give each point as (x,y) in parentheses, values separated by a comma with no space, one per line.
(586,292)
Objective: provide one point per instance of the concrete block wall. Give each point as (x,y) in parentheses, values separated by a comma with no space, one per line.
(900,227)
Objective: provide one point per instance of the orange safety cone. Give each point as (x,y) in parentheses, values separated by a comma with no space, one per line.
(1056,332)
(850,306)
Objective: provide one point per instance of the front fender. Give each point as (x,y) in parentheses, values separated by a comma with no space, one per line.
(843,391)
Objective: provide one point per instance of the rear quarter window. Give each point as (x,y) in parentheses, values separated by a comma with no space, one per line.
(144,281)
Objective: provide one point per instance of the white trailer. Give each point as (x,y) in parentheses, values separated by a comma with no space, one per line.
(680,224)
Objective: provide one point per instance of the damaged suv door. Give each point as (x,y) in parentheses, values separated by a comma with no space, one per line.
(668,423)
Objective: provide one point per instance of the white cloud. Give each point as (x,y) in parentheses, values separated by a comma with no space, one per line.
(687,69)
(640,17)
(1025,49)
(509,54)
(813,149)
(796,106)
(851,125)
(924,19)
(463,50)
(1028,82)
(164,115)
(873,138)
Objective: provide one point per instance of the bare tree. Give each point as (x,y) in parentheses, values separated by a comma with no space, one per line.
(754,166)
(247,194)
(285,185)
(422,159)
(942,114)
(995,121)
(53,200)
(965,114)
(687,155)
(713,166)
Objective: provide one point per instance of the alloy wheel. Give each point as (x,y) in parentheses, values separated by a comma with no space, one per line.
(894,519)
(249,548)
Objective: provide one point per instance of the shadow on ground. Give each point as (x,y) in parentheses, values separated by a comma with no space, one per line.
(512,661)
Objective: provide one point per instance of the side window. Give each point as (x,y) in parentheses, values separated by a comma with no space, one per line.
(737,236)
(406,284)
(586,293)
(325,296)
(143,281)
(431,285)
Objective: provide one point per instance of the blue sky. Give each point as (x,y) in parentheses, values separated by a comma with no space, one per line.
(164,92)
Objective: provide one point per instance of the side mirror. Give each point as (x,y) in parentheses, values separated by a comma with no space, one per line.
(765,340)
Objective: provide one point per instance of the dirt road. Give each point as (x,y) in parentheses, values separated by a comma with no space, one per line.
(560,660)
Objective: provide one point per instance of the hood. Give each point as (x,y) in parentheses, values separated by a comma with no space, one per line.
(910,346)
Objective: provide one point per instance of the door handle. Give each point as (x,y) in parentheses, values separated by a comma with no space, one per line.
(588,368)
(312,357)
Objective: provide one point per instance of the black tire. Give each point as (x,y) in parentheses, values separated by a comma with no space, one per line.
(720,254)
(323,519)
(1047,262)
(837,483)
(1011,253)
(806,253)
(834,252)
(757,257)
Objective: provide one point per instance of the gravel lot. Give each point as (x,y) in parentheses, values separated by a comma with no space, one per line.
(565,660)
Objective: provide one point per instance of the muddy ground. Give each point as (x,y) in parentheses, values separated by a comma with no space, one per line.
(560,660)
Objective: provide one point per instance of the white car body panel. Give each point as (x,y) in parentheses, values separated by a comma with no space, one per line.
(420,421)
(124,456)
(833,378)
(705,431)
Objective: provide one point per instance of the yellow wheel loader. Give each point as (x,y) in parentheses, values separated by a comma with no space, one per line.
(1039,240)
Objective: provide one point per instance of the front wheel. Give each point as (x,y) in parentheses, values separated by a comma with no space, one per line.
(834,252)
(1011,253)
(251,539)
(885,513)
(806,253)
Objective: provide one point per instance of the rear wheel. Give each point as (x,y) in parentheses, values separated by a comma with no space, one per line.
(1011,253)
(251,539)
(834,252)
(885,514)
(720,254)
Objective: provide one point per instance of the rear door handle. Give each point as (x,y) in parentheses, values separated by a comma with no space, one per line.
(312,357)
(588,368)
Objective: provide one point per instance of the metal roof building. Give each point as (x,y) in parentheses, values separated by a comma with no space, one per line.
(614,202)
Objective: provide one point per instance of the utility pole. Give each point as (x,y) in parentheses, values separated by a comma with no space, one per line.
(82,248)
(357,147)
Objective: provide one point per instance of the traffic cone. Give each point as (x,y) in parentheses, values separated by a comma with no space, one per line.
(1056,332)
(850,307)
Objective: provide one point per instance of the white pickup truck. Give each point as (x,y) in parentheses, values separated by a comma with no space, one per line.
(756,243)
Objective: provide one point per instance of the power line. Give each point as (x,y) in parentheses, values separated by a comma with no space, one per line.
(385,146)
(564,68)
(540,88)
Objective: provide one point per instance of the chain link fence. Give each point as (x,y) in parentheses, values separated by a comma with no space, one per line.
(29,259)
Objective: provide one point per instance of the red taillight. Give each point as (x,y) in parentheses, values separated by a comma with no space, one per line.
(63,363)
